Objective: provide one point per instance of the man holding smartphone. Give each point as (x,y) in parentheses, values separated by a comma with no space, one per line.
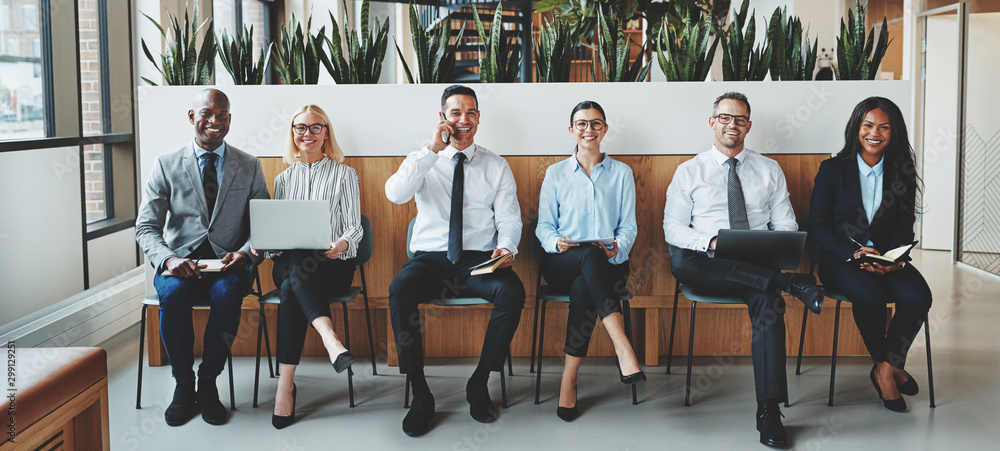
(458,225)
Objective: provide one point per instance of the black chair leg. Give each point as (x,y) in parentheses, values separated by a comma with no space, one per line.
(232,391)
(673,322)
(627,310)
(142,344)
(503,387)
(350,369)
(802,341)
(833,356)
(534,334)
(267,346)
(541,337)
(256,372)
(371,339)
(406,393)
(510,363)
(687,390)
(930,366)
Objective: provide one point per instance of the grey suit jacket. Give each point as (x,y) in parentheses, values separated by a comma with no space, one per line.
(174,219)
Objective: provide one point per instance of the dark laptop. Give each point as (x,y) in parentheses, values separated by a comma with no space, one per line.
(768,248)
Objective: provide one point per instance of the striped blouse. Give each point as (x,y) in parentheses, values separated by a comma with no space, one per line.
(327,179)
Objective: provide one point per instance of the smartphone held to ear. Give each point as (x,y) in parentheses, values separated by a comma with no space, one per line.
(445,136)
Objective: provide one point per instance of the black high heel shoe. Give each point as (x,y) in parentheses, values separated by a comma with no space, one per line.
(633,378)
(343,361)
(908,388)
(895,405)
(568,414)
(281,422)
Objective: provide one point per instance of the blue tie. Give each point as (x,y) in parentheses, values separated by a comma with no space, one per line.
(455,219)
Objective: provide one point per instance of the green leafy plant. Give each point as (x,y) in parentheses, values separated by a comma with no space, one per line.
(363,63)
(237,57)
(299,53)
(855,57)
(499,55)
(580,16)
(691,55)
(554,51)
(182,64)
(435,56)
(792,58)
(739,63)
(613,48)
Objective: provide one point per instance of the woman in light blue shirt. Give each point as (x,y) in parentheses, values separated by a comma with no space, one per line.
(588,196)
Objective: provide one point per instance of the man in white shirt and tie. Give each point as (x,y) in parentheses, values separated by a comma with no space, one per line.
(730,187)
(458,225)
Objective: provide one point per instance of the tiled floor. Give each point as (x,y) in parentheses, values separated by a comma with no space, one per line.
(965,342)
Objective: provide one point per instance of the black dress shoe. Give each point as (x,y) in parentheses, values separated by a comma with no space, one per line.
(908,388)
(568,414)
(803,287)
(281,422)
(212,410)
(772,432)
(895,405)
(183,407)
(418,420)
(343,361)
(633,378)
(480,405)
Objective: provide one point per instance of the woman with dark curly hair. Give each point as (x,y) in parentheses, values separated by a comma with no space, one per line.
(864,202)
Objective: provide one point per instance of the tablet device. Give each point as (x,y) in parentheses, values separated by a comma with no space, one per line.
(282,224)
(768,248)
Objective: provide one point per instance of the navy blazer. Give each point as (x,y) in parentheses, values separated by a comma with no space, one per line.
(837,214)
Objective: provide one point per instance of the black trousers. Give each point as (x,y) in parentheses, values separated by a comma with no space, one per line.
(430,275)
(307,279)
(594,286)
(869,293)
(765,306)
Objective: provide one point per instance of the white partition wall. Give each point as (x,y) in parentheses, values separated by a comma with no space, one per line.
(936,160)
(522,119)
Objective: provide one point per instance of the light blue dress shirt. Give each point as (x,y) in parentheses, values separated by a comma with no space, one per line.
(573,204)
(220,151)
(871,187)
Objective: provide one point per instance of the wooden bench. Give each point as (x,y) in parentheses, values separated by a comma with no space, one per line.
(61,400)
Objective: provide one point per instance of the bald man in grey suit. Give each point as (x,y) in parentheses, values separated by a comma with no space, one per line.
(196,206)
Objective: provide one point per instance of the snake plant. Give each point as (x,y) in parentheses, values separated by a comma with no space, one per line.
(181,64)
(739,62)
(237,57)
(499,54)
(791,58)
(691,55)
(554,51)
(299,53)
(363,62)
(855,57)
(613,47)
(435,56)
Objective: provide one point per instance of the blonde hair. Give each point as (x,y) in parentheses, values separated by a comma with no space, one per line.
(330,147)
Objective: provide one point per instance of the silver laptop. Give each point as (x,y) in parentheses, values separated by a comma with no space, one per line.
(768,248)
(281,224)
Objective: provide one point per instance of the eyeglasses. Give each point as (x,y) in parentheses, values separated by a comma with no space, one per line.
(727,118)
(595,124)
(315,129)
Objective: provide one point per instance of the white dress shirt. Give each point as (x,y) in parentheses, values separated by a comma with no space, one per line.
(327,180)
(697,204)
(491,215)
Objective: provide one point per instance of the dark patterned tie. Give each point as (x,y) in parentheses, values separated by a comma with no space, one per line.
(737,205)
(210,181)
(455,220)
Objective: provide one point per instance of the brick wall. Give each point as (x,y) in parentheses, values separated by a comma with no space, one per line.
(90,95)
